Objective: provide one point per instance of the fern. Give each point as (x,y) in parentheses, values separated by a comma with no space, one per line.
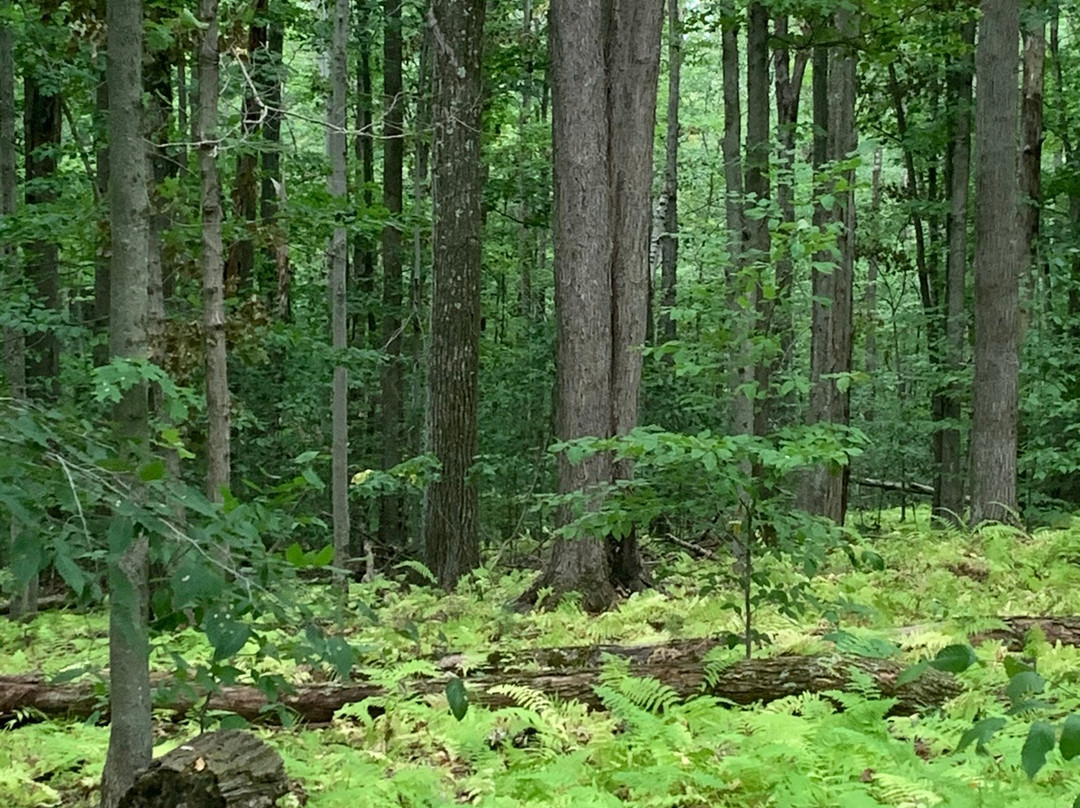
(526,697)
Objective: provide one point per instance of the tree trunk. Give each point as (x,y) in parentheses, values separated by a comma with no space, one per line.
(272,191)
(391,514)
(101,157)
(997,360)
(526,243)
(217,379)
(364,252)
(450,503)
(825,489)
(669,242)
(742,406)
(240,263)
(24,600)
(43,126)
(563,673)
(336,145)
(224,769)
(1031,140)
(758,239)
(131,735)
(950,487)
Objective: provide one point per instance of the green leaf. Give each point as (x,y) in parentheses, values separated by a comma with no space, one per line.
(306,457)
(1040,740)
(227,636)
(195,582)
(872,560)
(418,568)
(121,535)
(981,734)
(458,698)
(1014,665)
(154,470)
(911,673)
(324,556)
(954,659)
(294,554)
(1024,684)
(312,479)
(1070,737)
(341,656)
(70,571)
(26,555)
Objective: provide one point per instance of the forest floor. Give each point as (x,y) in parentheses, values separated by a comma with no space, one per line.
(935,589)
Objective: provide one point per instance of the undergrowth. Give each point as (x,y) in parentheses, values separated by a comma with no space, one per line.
(647,748)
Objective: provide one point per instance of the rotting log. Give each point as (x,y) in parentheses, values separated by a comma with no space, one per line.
(226,769)
(570,673)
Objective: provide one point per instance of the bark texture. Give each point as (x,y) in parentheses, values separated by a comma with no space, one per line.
(997,357)
(217,377)
(669,244)
(451,502)
(225,769)
(130,735)
(950,487)
(566,673)
(336,145)
(391,513)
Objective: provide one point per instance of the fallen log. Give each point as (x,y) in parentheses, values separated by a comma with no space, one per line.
(568,674)
(892,485)
(226,769)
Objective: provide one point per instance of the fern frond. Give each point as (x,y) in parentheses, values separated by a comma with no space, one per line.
(526,697)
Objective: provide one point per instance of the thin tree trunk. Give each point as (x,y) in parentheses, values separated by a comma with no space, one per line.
(337,144)
(526,244)
(1031,140)
(950,487)
(997,359)
(364,252)
(758,239)
(742,406)
(273,188)
(391,515)
(101,259)
(450,503)
(43,124)
(669,241)
(217,380)
(131,732)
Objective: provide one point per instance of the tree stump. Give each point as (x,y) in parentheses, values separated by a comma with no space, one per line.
(225,769)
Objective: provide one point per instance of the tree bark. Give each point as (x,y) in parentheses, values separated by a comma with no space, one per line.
(130,736)
(391,514)
(451,502)
(669,243)
(272,192)
(364,251)
(337,144)
(224,769)
(565,673)
(43,123)
(950,487)
(102,293)
(997,359)
(1031,140)
(217,380)
(825,489)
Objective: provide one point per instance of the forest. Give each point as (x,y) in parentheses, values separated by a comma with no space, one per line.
(539,403)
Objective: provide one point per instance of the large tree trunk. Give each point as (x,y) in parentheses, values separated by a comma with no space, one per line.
(217,379)
(950,487)
(391,513)
(450,503)
(669,243)
(825,489)
(130,737)
(337,144)
(997,358)
(564,673)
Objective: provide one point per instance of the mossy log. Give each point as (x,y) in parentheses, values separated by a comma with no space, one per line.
(568,673)
(226,769)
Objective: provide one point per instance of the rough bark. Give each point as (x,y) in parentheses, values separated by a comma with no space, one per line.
(217,380)
(130,736)
(336,145)
(950,488)
(997,360)
(391,514)
(1031,140)
(101,259)
(225,769)
(451,502)
(526,241)
(565,673)
(669,242)
(825,489)
(272,193)
(43,122)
